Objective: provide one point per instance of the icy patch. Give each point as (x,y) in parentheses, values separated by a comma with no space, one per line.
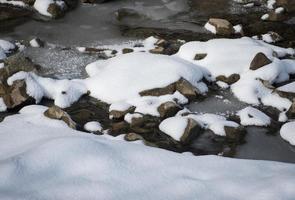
(287,132)
(253,117)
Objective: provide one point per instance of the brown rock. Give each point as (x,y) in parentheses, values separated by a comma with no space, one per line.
(187,89)
(56,112)
(192,130)
(200,56)
(223,27)
(229,80)
(291,112)
(168,109)
(289,5)
(276,17)
(132,137)
(235,133)
(116,114)
(127,50)
(170,89)
(55,10)
(157,50)
(259,61)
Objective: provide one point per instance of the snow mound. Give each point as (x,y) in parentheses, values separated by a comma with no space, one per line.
(174,127)
(287,132)
(123,77)
(220,59)
(44,159)
(63,92)
(253,117)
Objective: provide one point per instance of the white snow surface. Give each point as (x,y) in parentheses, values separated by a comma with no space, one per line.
(220,59)
(290,87)
(123,77)
(42,6)
(93,126)
(44,159)
(174,126)
(6,46)
(253,117)
(63,92)
(287,132)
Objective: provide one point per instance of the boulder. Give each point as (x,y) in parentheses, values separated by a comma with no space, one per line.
(192,131)
(276,17)
(289,5)
(229,80)
(187,89)
(17,94)
(119,114)
(127,50)
(170,89)
(55,10)
(259,61)
(168,109)
(157,50)
(222,26)
(200,56)
(56,112)
(16,63)
(291,112)
(235,133)
(131,137)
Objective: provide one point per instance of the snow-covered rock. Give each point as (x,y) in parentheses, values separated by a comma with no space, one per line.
(44,159)
(253,117)
(93,126)
(288,132)
(125,76)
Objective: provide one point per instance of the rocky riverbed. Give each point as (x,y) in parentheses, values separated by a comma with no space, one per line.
(203,110)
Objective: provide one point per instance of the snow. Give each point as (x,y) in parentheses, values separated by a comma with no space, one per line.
(42,5)
(44,159)
(253,117)
(219,59)
(271,4)
(238,28)
(15,3)
(1,65)
(279,10)
(123,77)
(119,106)
(128,117)
(287,88)
(174,127)
(6,46)
(287,132)
(265,16)
(2,105)
(210,28)
(63,92)
(93,126)
(34,43)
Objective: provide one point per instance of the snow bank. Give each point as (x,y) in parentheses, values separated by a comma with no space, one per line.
(253,117)
(220,59)
(123,77)
(287,132)
(63,92)
(44,159)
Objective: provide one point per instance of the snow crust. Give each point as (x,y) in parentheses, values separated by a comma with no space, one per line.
(287,132)
(44,159)
(253,117)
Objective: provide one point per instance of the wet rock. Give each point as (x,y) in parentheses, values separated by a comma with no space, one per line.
(229,80)
(235,133)
(16,63)
(200,56)
(56,112)
(187,89)
(289,5)
(276,17)
(70,3)
(118,128)
(157,50)
(11,13)
(119,114)
(55,10)
(168,109)
(259,61)
(131,137)
(127,50)
(223,27)
(291,112)
(170,89)
(192,131)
